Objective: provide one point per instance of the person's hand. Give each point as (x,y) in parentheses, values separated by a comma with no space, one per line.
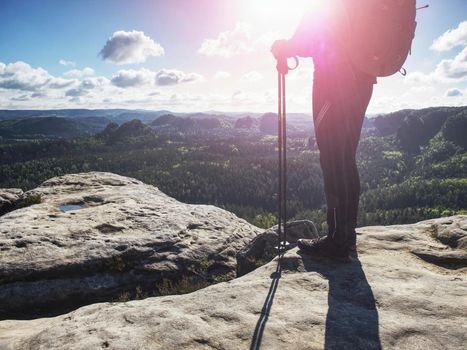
(279,49)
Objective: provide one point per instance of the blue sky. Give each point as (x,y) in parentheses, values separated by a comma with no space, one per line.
(215,56)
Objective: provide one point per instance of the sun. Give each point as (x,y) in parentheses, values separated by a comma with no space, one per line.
(279,16)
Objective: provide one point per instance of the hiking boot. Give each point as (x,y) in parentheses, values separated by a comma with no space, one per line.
(324,247)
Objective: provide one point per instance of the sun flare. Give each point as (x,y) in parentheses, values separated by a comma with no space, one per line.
(280,16)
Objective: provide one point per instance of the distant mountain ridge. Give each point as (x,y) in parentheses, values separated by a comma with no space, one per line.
(197,123)
(117,115)
(387,124)
(412,128)
(42,127)
(130,130)
(415,128)
(122,115)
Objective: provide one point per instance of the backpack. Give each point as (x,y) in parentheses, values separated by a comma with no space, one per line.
(380,34)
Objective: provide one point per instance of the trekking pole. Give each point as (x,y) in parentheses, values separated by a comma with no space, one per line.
(282,69)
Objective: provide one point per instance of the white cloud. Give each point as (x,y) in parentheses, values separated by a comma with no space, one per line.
(163,77)
(448,70)
(173,76)
(66,63)
(419,78)
(229,43)
(455,69)
(60,83)
(86,71)
(94,82)
(246,98)
(130,47)
(451,38)
(38,94)
(76,92)
(21,98)
(87,85)
(133,78)
(453,93)
(252,76)
(21,76)
(222,75)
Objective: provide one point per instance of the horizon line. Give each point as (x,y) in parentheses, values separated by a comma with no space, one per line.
(205,111)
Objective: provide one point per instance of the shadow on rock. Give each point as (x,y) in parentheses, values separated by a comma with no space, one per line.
(352,318)
(261,324)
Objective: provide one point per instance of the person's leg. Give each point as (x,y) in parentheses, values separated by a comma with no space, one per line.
(333,169)
(323,107)
(328,135)
(357,102)
(339,106)
(331,140)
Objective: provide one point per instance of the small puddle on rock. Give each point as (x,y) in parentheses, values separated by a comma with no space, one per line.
(69,207)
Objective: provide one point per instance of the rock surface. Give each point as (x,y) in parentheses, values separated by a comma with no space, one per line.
(263,248)
(388,298)
(8,199)
(95,236)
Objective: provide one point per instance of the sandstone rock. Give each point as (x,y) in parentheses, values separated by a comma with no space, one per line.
(263,248)
(388,298)
(95,236)
(8,199)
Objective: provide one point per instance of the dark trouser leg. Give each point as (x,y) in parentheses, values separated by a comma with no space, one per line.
(339,107)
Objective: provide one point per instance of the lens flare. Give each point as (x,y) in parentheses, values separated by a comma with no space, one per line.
(280,16)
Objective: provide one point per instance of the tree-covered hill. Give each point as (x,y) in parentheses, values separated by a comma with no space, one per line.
(42,127)
(415,128)
(413,165)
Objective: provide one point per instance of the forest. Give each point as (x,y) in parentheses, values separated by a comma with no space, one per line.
(413,165)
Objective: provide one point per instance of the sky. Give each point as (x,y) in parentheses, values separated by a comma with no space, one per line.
(199,55)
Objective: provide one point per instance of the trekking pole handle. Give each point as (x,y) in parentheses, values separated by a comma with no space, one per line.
(283,66)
